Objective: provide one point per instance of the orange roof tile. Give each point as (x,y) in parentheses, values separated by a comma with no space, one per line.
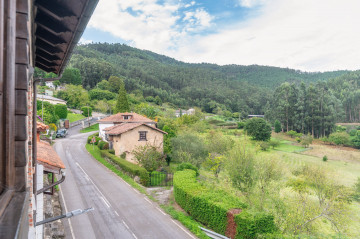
(122,128)
(119,118)
(41,126)
(47,155)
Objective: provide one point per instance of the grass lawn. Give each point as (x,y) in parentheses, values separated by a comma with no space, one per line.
(94,127)
(74,117)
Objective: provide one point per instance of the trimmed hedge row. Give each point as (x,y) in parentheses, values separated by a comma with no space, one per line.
(132,169)
(209,207)
(250,225)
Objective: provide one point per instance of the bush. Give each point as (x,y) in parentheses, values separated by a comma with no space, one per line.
(98,94)
(132,169)
(183,166)
(291,133)
(339,138)
(208,206)
(85,110)
(263,145)
(298,139)
(91,136)
(112,151)
(353,132)
(103,145)
(277,126)
(240,125)
(258,128)
(306,140)
(325,158)
(61,111)
(274,143)
(250,225)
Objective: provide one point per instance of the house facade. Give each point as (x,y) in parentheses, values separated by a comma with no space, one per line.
(120,118)
(126,137)
(181,112)
(32,33)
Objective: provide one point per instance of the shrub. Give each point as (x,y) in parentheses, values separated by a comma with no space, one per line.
(85,110)
(61,111)
(325,158)
(250,225)
(277,126)
(353,132)
(240,125)
(274,143)
(103,145)
(132,169)
(183,166)
(306,140)
(91,136)
(258,128)
(208,206)
(112,151)
(291,133)
(339,138)
(263,145)
(298,139)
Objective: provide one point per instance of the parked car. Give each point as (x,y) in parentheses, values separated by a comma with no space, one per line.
(61,133)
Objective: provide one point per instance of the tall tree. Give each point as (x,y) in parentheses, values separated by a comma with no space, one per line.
(71,76)
(122,104)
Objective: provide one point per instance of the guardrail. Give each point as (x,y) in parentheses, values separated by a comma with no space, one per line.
(212,234)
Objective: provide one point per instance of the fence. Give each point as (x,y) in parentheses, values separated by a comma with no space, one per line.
(160,179)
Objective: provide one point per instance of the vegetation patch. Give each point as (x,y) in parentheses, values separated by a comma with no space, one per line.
(74,117)
(94,127)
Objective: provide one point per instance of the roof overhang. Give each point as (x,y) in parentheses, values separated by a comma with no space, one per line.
(58,26)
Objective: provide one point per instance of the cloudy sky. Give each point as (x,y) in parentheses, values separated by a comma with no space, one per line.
(310,35)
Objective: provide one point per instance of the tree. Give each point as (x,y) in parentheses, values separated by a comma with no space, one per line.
(214,163)
(258,128)
(188,148)
(71,76)
(306,140)
(86,111)
(149,157)
(115,83)
(277,126)
(75,96)
(103,85)
(158,100)
(122,104)
(218,143)
(61,111)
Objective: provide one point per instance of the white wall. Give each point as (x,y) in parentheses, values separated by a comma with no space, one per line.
(101,129)
(39,200)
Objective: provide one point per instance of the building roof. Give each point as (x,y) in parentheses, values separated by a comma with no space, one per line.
(48,97)
(125,127)
(58,27)
(40,127)
(119,118)
(47,156)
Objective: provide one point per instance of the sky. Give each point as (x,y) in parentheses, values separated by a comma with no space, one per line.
(308,35)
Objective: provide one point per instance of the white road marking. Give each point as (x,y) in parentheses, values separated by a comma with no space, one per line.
(117,213)
(161,211)
(148,201)
(126,225)
(71,229)
(105,202)
(134,235)
(102,195)
(183,229)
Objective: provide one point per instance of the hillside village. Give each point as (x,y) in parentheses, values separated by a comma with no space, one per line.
(105,140)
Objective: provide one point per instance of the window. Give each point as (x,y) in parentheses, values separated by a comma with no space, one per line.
(142,135)
(126,117)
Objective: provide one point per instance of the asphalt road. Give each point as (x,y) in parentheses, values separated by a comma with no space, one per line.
(120,211)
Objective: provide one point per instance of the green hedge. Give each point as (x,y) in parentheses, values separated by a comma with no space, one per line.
(103,145)
(132,169)
(252,224)
(208,206)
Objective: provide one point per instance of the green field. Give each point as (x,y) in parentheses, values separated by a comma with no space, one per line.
(74,117)
(94,127)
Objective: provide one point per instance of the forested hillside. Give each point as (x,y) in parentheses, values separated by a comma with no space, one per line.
(214,88)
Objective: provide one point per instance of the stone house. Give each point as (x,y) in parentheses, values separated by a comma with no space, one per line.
(181,112)
(126,137)
(120,118)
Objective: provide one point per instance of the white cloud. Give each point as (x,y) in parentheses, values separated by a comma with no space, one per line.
(308,35)
(148,24)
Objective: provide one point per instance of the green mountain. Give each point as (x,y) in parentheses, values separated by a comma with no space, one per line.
(212,87)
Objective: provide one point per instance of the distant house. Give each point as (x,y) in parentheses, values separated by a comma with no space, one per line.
(181,112)
(120,118)
(126,137)
(50,99)
(255,116)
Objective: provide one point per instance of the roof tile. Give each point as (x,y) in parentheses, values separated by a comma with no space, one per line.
(119,118)
(47,155)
